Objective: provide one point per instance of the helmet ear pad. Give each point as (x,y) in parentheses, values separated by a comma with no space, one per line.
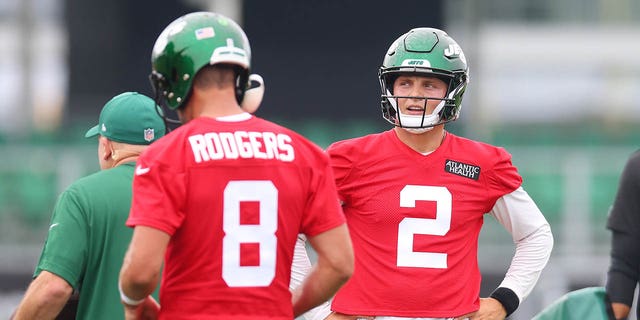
(254,93)
(451,110)
(386,83)
(388,111)
(242,78)
(448,113)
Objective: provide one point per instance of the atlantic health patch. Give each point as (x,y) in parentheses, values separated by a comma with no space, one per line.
(462,169)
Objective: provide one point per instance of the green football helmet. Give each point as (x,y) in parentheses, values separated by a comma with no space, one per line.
(424,52)
(191,42)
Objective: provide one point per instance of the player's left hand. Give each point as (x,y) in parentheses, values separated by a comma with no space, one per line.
(490,309)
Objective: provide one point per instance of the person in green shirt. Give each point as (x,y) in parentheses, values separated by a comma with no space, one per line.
(87,237)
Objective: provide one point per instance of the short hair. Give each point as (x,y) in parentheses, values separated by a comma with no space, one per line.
(219,76)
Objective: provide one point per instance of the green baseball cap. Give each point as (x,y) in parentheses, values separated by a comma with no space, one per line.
(131,118)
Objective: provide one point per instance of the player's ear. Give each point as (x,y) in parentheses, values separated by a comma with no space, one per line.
(106,149)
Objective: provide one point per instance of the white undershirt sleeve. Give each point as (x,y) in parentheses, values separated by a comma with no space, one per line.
(531,233)
(300,267)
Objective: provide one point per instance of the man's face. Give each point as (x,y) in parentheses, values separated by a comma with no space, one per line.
(420,87)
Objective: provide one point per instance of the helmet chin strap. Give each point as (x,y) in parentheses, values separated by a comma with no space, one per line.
(417,131)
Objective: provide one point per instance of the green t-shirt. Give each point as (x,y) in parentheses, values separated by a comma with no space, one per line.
(88,238)
(591,303)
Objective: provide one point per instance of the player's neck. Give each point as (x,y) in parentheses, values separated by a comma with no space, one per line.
(121,158)
(424,142)
(214,103)
(131,158)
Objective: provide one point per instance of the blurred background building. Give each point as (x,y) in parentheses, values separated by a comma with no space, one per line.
(555,82)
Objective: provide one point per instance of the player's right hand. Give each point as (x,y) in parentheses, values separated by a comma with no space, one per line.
(147,310)
(490,309)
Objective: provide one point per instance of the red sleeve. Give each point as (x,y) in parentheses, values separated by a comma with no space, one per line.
(158,196)
(323,210)
(342,164)
(505,177)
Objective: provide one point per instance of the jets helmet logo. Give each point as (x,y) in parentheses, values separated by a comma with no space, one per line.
(454,51)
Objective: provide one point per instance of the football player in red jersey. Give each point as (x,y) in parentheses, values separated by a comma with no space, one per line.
(415,197)
(223,198)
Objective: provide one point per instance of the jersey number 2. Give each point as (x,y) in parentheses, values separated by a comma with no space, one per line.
(408,227)
(266,194)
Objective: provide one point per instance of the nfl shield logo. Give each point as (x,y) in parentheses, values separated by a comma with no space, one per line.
(148,134)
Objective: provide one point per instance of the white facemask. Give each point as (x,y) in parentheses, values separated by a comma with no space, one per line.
(416,123)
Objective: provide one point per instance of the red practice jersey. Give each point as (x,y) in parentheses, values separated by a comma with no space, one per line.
(414,221)
(233,196)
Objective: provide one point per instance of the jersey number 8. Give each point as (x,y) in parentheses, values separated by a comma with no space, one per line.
(266,194)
